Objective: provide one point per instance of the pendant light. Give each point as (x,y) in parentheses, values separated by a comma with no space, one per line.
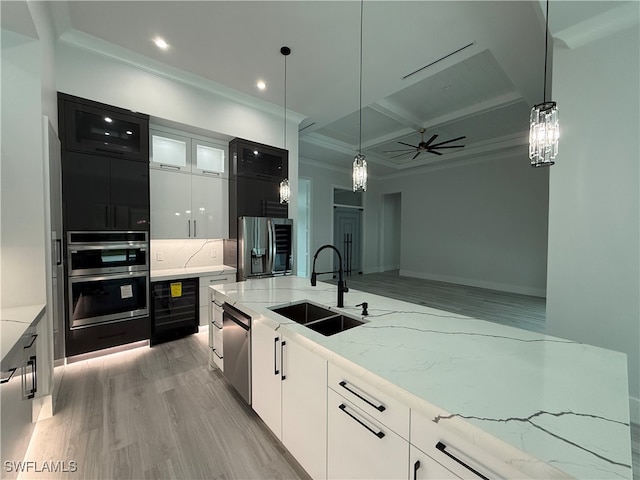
(285,190)
(544,128)
(359,162)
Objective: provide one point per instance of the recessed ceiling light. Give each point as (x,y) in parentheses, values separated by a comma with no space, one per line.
(261,85)
(161,43)
(108,120)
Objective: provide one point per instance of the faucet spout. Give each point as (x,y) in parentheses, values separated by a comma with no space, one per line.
(342,285)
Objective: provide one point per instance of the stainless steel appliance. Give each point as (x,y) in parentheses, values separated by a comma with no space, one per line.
(108,277)
(264,247)
(236,338)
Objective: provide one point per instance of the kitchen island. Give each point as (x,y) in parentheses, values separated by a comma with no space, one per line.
(544,406)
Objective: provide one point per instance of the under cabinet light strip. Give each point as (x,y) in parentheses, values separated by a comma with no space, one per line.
(436,61)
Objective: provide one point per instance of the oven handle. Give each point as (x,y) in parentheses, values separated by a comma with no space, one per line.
(115,276)
(107,246)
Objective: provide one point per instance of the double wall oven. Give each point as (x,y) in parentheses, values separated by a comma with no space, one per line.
(108,277)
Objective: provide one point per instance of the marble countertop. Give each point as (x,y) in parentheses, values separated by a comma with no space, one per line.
(186,272)
(530,399)
(15,321)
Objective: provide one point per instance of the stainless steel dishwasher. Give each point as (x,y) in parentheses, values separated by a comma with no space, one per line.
(236,338)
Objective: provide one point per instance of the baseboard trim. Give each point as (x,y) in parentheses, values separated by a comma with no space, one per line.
(503,287)
(634,405)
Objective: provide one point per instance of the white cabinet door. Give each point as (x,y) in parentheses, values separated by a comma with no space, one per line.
(266,382)
(304,407)
(209,158)
(359,447)
(423,467)
(170,194)
(169,151)
(217,350)
(209,207)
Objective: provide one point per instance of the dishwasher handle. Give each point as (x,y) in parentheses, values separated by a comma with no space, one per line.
(236,316)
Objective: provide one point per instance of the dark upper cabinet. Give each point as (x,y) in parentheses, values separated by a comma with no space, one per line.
(100,129)
(251,159)
(256,171)
(102,193)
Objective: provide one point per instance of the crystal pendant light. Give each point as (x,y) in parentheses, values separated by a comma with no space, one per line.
(544,128)
(359,162)
(285,190)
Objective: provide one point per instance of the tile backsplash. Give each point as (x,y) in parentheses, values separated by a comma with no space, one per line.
(186,253)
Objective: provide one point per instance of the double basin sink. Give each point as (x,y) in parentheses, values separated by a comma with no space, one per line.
(317,318)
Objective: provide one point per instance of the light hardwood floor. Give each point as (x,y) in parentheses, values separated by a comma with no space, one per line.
(153,413)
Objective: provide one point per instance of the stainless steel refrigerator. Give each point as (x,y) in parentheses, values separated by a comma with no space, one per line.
(265,247)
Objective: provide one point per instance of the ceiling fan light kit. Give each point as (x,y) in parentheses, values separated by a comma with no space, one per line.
(544,127)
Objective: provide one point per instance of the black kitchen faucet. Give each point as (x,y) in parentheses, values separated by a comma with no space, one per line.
(342,285)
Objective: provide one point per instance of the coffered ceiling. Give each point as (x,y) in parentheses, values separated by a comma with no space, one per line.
(478,65)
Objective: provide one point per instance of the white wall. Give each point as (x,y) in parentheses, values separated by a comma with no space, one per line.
(482,224)
(593,286)
(22,201)
(391,239)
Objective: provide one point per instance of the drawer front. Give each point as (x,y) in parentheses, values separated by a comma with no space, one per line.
(458,455)
(359,447)
(379,405)
(209,280)
(423,467)
(217,340)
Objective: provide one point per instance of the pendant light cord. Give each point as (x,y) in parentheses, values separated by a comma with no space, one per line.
(546,40)
(360,120)
(285,102)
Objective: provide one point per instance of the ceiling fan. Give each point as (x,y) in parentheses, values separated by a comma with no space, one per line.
(427,146)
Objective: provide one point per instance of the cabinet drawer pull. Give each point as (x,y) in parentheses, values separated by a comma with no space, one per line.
(380,407)
(33,339)
(282,375)
(216,325)
(442,447)
(5,380)
(216,353)
(219,280)
(379,434)
(189,227)
(416,467)
(207,172)
(173,167)
(275,356)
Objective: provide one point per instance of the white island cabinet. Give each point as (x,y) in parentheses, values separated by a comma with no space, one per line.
(289,388)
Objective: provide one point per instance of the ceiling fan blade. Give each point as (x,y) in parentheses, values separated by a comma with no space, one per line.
(447,141)
(408,145)
(433,137)
(434,152)
(446,146)
(414,157)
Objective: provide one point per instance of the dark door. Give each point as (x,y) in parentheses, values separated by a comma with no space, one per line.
(347,228)
(130,194)
(253,195)
(86,191)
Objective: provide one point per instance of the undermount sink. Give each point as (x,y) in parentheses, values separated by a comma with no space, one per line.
(317,318)
(303,312)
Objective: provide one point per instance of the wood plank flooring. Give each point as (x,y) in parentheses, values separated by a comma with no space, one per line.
(154,413)
(512,309)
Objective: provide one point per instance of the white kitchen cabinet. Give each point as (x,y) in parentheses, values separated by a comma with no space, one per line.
(169,151)
(188,206)
(206,294)
(266,371)
(209,207)
(289,385)
(359,447)
(209,158)
(423,467)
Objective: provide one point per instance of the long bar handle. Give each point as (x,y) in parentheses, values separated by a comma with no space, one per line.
(215,351)
(416,467)
(379,434)
(189,227)
(195,229)
(380,407)
(58,252)
(282,375)
(173,167)
(275,356)
(442,447)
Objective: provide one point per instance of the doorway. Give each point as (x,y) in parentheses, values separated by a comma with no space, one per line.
(347,229)
(391,222)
